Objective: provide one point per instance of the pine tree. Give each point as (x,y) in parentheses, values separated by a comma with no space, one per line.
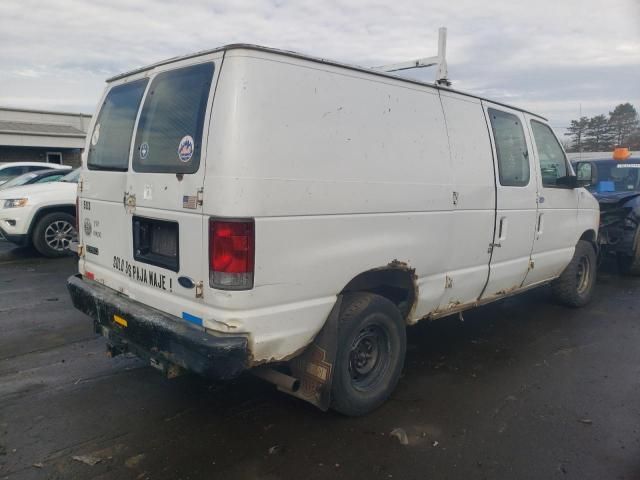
(576,133)
(633,142)
(623,122)
(598,136)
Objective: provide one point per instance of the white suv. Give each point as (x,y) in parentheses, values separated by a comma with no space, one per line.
(42,215)
(9,170)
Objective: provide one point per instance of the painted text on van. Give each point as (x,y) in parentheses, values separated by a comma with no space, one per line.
(141,274)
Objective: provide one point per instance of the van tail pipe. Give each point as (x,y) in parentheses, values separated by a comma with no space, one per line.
(281,380)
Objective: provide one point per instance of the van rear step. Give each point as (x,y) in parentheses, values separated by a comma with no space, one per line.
(164,340)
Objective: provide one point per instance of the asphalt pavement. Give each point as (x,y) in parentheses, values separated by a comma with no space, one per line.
(521,389)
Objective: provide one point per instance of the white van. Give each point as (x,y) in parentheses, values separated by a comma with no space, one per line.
(248,208)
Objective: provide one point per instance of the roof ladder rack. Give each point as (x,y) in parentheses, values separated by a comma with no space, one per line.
(439,60)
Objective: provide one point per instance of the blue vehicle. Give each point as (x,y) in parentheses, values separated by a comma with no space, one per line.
(616,186)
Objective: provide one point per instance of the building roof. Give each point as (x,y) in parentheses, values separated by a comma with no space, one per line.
(41,128)
(31,128)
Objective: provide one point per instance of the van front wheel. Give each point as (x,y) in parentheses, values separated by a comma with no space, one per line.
(575,286)
(371,349)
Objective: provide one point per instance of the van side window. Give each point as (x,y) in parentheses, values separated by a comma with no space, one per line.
(553,163)
(169,136)
(511,149)
(111,137)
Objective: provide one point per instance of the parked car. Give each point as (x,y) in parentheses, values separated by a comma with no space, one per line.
(41,214)
(9,170)
(292,215)
(37,176)
(616,186)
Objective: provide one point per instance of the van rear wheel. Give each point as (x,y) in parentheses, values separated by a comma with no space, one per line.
(370,356)
(53,233)
(575,286)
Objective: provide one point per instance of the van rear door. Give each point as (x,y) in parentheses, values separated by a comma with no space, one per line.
(149,213)
(103,229)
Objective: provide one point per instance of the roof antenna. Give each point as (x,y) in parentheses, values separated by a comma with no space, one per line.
(439,60)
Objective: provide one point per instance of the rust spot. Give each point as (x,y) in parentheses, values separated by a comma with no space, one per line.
(506,291)
(397,264)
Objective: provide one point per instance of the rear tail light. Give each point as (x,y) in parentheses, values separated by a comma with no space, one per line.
(231,254)
(77,212)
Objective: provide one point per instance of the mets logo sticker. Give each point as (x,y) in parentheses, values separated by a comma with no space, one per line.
(185,149)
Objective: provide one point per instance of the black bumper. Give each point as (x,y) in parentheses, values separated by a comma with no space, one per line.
(163,339)
(20,240)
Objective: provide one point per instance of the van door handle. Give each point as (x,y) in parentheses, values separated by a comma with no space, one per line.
(502,231)
(540,226)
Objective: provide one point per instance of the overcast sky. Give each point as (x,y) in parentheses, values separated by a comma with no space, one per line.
(551,56)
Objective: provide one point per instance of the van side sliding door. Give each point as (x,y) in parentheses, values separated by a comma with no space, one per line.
(516,195)
(555,231)
(473,199)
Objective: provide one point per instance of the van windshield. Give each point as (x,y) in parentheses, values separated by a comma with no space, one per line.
(169,135)
(111,137)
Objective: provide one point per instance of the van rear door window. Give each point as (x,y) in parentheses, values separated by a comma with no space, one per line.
(169,136)
(111,136)
(511,149)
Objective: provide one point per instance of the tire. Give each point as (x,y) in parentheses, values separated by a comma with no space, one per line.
(629,264)
(51,235)
(574,287)
(372,344)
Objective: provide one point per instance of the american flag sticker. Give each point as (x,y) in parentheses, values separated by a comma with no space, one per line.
(189,201)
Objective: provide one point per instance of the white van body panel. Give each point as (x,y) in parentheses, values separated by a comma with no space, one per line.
(344,172)
(365,193)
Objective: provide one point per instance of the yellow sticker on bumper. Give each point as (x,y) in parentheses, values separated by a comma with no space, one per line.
(120,321)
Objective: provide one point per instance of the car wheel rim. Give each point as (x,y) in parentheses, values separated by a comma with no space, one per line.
(369,356)
(59,234)
(583,274)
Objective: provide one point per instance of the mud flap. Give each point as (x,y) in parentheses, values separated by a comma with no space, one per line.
(314,367)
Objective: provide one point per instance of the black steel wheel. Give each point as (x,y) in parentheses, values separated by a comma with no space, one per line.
(370,355)
(575,286)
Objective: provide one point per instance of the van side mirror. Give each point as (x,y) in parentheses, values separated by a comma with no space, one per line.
(570,181)
(584,174)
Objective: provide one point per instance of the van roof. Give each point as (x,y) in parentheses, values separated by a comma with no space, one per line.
(288,53)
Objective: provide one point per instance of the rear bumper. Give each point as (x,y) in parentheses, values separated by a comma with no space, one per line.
(163,339)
